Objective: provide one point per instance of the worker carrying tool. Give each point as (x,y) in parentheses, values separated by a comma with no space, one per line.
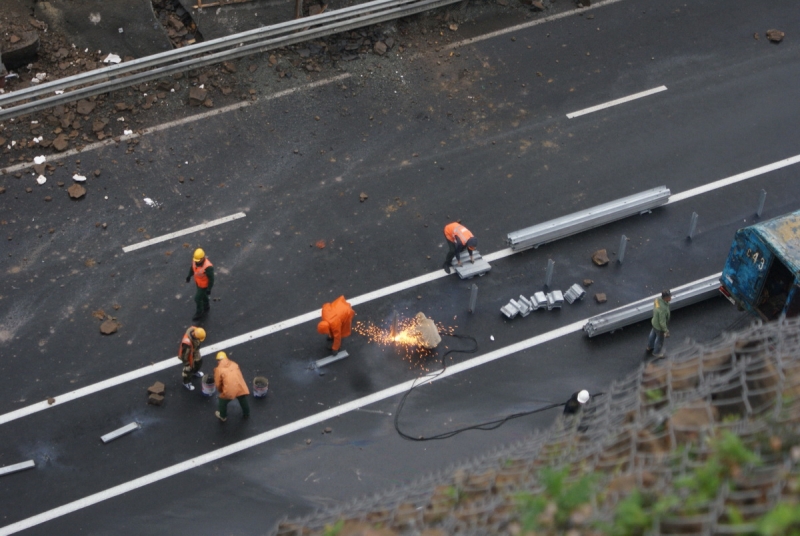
(458,238)
(230,384)
(189,354)
(203,272)
(337,318)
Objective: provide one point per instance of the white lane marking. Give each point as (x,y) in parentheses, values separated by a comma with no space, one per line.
(285,324)
(282,431)
(734,179)
(182,232)
(300,424)
(527,25)
(179,122)
(615,102)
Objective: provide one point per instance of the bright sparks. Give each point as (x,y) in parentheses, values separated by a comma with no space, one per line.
(408,338)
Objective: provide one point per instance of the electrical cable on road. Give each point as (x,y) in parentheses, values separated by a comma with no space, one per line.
(490,425)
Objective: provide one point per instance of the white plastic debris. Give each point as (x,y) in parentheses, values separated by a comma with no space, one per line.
(120,119)
(34,122)
(59,92)
(36,159)
(78,178)
(40,76)
(127,132)
(202,86)
(121,30)
(491,337)
(41,179)
(112,58)
(151,203)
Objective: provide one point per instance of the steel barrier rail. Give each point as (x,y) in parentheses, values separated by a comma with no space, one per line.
(682,296)
(535,236)
(117,76)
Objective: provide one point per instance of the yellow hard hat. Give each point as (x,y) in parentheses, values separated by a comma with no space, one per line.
(221,356)
(199,255)
(200,334)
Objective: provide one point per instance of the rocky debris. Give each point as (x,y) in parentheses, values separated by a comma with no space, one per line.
(775,36)
(197,96)
(76,191)
(587,282)
(157,388)
(85,107)
(177,22)
(308,441)
(50,400)
(60,143)
(537,5)
(600,297)
(380,48)
(229,67)
(155,400)
(327,430)
(600,257)
(362,197)
(109,326)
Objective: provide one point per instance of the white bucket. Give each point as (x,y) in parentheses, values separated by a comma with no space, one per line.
(260,387)
(208,385)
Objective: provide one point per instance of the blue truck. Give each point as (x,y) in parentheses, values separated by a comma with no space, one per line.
(762,273)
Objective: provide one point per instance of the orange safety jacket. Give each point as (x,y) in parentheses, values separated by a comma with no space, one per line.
(337,318)
(200,276)
(187,343)
(456,230)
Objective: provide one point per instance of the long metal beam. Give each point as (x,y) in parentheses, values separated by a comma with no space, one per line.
(698,291)
(535,236)
(207,53)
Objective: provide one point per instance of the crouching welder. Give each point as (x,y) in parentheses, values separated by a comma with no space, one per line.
(203,272)
(189,353)
(337,318)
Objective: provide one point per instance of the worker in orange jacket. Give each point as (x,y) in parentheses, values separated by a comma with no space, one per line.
(189,354)
(203,272)
(230,384)
(458,237)
(337,318)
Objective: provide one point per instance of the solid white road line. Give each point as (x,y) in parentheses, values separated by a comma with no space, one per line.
(179,122)
(299,425)
(734,179)
(615,102)
(307,317)
(188,230)
(531,24)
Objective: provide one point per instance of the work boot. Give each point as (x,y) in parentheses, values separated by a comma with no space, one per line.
(197,316)
(220,417)
(446,267)
(189,386)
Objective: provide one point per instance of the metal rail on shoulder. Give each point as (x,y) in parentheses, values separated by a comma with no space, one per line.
(206,53)
(682,296)
(535,236)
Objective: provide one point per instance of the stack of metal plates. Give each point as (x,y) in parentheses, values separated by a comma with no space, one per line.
(539,300)
(468,270)
(574,293)
(555,300)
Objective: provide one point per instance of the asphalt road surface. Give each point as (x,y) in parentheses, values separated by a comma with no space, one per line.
(477,132)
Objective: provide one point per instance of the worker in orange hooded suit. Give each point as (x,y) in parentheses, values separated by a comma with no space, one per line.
(337,318)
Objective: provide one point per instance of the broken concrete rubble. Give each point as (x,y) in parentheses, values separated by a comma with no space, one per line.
(600,257)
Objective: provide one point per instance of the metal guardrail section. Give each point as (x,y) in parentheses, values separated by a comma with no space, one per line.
(209,52)
(533,237)
(643,309)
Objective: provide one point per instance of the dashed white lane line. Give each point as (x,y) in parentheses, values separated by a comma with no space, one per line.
(179,122)
(307,317)
(616,102)
(182,232)
(295,426)
(526,25)
(734,179)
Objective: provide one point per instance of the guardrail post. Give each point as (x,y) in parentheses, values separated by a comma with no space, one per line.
(623,242)
(549,276)
(693,225)
(473,298)
(762,198)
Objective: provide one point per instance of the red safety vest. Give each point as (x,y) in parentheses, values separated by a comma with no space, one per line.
(187,341)
(200,276)
(455,229)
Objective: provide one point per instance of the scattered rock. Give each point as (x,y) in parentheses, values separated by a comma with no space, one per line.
(320,244)
(537,5)
(39,168)
(156,389)
(51,400)
(362,197)
(85,107)
(328,430)
(208,103)
(380,48)
(109,326)
(155,400)
(229,67)
(99,314)
(587,282)
(453,27)
(61,142)
(308,441)
(600,257)
(48,198)
(96,172)
(776,36)
(2,190)
(600,297)
(197,96)
(76,191)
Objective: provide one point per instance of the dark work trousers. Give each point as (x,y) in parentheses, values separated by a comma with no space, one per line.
(190,370)
(201,299)
(451,253)
(222,406)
